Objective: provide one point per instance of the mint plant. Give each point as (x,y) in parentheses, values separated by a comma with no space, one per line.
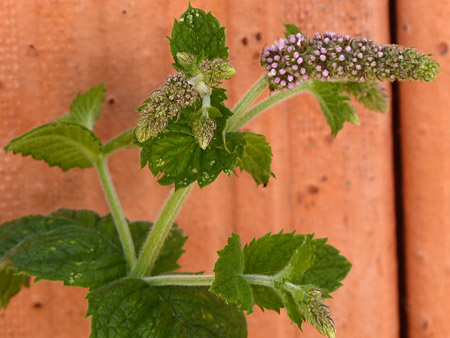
(188,135)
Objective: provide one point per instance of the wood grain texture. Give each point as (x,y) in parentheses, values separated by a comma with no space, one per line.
(425,135)
(338,188)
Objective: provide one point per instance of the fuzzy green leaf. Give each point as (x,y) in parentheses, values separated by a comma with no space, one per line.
(85,109)
(66,145)
(200,34)
(273,254)
(370,93)
(10,285)
(301,261)
(257,158)
(335,106)
(132,308)
(77,247)
(75,254)
(328,269)
(176,155)
(269,255)
(228,281)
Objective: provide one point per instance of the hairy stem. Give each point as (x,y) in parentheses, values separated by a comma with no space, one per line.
(117,212)
(249,97)
(266,104)
(158,234)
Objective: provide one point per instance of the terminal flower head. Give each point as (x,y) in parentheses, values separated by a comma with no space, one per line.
(330,56)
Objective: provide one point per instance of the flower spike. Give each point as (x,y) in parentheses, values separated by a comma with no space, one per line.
(331,56)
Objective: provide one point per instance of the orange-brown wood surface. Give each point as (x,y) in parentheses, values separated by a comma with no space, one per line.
(339,188)
(425,131)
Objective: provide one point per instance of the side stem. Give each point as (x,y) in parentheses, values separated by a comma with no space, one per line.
(267,103)
(117,212)
(204,280)
(251,95)
(158,234)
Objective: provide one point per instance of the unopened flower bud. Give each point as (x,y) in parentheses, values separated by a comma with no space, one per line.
(188,62)
(203,129)
(216,71)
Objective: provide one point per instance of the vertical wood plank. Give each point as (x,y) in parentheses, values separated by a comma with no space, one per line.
(341,188)
(425,140)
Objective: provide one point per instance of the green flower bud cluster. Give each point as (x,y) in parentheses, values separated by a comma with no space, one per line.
(318,314)
(331,56)
(164,104)
(181,90)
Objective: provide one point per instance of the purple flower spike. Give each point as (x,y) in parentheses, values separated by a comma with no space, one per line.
(283,83)
(331,56)
(272,73)
(291,86)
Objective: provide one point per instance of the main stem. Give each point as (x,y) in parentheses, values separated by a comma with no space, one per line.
(117,213)
(158,234)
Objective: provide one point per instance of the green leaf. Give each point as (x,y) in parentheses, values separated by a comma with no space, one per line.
(77,247)
(66,145)
(199,34)
(85,109)
(75,254)
(291,29)
(228,282)
(257,158)
(370,93)
(176,155)
(268,256)
(132,308)
(301,261)
(328,269)
(10,285)
(124,140)
(287,256)
(335,106)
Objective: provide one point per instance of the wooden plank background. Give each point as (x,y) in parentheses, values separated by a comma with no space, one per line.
(340,188)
